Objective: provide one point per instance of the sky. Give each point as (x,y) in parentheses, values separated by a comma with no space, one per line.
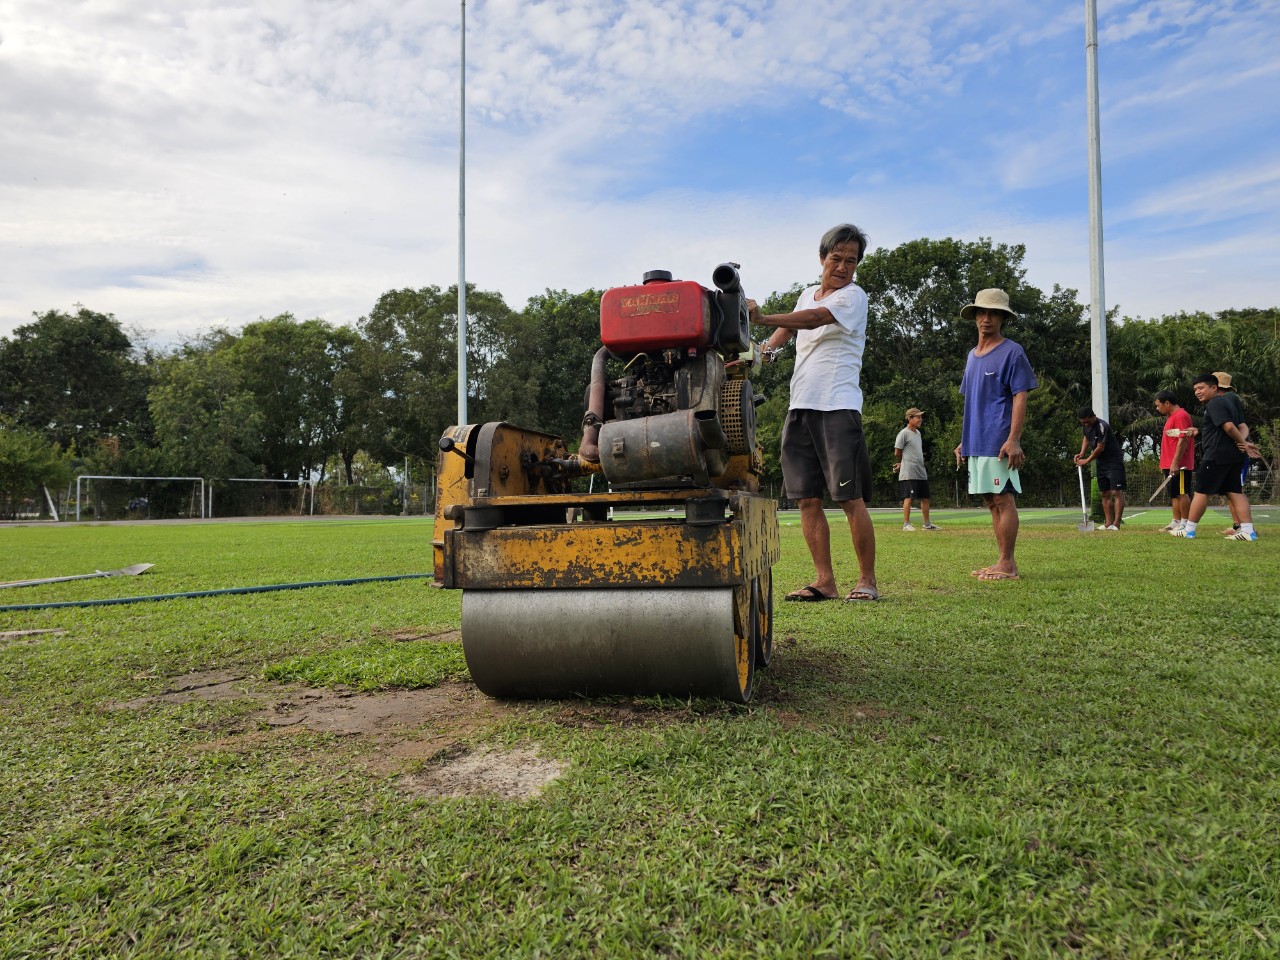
(188,165)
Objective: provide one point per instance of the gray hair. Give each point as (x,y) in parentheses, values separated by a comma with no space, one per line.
(843,233)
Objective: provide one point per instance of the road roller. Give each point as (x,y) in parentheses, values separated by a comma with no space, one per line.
(641,563)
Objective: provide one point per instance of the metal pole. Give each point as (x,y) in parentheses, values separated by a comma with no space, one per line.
(1098,302)
(462,222)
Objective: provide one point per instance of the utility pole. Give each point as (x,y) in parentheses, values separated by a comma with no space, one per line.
(462,222)
(1098,301)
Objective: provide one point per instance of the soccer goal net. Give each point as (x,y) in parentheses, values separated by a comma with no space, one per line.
(110,497)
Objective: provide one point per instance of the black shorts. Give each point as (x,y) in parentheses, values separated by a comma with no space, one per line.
(825,447)
(1213,479)
(1184,484)
(913,489)
(1110,477)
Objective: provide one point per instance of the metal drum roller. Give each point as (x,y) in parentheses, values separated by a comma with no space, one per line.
(553,643)
(657,582)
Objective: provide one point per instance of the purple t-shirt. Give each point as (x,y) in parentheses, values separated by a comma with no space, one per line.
(989,385)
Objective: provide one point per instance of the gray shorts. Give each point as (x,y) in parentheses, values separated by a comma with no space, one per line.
(825,448)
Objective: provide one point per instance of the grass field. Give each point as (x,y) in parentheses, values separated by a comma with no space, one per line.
(1082,763)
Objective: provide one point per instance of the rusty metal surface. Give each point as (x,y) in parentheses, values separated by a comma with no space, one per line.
(595,555)
(452,488)
(617,554)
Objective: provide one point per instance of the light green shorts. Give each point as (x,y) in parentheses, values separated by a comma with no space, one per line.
(992,475)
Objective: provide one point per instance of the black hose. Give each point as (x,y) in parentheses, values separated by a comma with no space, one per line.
(209,593)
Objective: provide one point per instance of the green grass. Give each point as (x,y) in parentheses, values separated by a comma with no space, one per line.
(1082,763)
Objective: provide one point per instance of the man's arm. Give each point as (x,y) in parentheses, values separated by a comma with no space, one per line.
(1012,448)
(809,319)
(779,338)
(1240,437)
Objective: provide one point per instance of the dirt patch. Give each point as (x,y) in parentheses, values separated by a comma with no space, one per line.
(512,774)
(28,636)
(390,731)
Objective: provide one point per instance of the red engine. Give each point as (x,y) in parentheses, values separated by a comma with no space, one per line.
(666,314)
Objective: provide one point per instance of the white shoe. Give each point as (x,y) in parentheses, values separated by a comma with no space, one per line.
(907,526)
(1112,527)
(931,526)
(1177,531)
(1241,535)
(1184,532)
(1169,527)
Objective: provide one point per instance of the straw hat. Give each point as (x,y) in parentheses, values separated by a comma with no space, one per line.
(991,299)
(1224,380)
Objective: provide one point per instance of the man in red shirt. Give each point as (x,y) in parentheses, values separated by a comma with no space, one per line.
(1177,456)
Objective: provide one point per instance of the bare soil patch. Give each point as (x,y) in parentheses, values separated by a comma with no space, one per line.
(26,636)
(512,774)
(390,731)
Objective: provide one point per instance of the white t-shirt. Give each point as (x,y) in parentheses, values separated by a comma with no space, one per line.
(829,359)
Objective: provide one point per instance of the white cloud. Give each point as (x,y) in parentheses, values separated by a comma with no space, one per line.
(183,164)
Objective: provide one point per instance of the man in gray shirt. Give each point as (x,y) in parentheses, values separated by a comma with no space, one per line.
(913,479)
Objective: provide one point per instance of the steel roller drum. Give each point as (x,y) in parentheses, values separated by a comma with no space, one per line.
(555,643)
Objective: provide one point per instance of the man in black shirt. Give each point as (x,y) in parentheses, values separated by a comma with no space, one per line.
(1099,436)
(1222,449)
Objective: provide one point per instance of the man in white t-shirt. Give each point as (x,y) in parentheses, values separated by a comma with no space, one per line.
(822,440)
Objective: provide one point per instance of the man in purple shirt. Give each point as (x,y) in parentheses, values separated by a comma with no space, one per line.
(997,378)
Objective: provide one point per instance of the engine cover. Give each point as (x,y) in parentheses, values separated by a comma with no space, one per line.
(675,314)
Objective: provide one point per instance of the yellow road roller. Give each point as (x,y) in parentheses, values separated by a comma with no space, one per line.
(654,575)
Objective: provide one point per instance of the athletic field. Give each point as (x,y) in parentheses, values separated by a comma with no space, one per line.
(1082,763)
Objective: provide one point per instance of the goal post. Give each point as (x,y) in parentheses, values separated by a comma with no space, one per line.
(137,499)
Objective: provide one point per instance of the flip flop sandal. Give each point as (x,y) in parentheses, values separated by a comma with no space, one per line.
(862,595)
(808,594)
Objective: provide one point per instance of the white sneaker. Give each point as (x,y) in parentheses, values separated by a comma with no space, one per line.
(1112,527)
(1177,531)
(907,526)
(1169,527)
(1184,532)
(931,526)
(1241,535)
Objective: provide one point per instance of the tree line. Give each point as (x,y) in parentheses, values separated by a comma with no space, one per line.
(287,399)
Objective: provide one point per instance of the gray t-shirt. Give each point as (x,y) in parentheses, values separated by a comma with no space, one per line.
(912,455)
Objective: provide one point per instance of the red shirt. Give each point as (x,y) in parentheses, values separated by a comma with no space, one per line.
(1179,420)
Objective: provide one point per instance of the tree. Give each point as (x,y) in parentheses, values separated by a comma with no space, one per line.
(75,379)
(27,462)
(290,369)
(207,423)
(540,377)
(404,372)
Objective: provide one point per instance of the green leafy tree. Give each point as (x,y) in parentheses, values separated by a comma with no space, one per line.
(207,423)
(404,371)
(290,368)
(76,379)
(28,462)
(542,363)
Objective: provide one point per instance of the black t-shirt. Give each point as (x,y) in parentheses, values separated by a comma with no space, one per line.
(1111,455)
(1215,445)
